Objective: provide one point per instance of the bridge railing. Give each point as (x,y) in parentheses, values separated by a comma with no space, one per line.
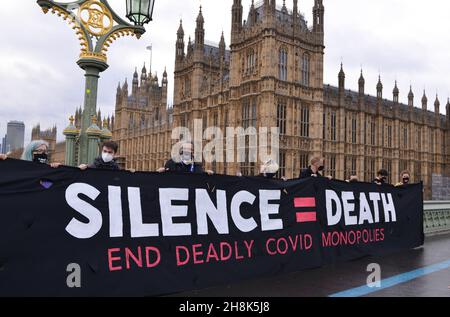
(436,217)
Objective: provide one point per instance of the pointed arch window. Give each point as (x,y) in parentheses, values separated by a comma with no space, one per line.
(282,63)
(251,62)
(305,69)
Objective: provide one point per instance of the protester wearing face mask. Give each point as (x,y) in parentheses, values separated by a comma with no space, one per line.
(185,162)
(404,179)
(106,160)
(37,152)
(381,178)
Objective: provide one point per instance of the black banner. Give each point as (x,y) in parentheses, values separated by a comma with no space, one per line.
(66,232)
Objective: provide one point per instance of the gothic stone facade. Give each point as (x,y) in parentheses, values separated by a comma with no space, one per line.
(142,124)
(272,76)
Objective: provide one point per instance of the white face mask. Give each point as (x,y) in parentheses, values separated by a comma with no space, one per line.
(106,157)
(186,156)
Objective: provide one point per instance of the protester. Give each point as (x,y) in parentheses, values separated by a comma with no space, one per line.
(269,169)
(106,161)
(404,179)
(382,177)
(37,151)
(353,179)
(317,165)
(186,163)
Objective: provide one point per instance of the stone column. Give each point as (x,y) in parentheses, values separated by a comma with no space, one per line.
(71,133)
(93,134)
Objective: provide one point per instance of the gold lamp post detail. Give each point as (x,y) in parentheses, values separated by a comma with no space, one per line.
(97,27)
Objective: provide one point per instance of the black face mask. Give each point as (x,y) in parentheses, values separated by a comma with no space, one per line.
(406,180)
(40,158)
(383,179)
(321,168)
(269,175)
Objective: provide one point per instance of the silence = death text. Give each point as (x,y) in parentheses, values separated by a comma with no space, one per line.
(175,202)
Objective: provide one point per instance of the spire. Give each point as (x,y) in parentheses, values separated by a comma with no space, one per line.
(295,12)
(252,14)
(318,16)
(273,5)
(424,101)
(135,82)
(283,8)
(379,88)
(180,42)
(437,105)
(341,77)
(99,116)
(236,19)
(143,75)
(199,30)
(200,20)
(180,31)
(361,83)
(190,46)
(396,90)
(164,80)
(410,97)
(447,108)
(222,45)
(395,93)
(266,6)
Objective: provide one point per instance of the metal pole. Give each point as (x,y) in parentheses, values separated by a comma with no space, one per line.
(92,68)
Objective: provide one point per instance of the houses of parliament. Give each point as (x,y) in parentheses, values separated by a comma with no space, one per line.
(272,76)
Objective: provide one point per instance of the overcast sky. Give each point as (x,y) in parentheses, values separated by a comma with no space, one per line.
(404,40)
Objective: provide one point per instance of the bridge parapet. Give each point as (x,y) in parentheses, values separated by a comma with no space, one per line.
(436,217)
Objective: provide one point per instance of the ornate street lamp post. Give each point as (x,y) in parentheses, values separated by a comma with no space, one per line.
(97,26)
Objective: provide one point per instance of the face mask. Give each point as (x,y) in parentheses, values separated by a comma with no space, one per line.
(269,175)
(384,179)
(321,168)
(186,156)
(405,180)
(40,158)
(107,157)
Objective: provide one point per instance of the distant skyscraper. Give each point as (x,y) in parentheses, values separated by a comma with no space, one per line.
(15,136)
(3,149)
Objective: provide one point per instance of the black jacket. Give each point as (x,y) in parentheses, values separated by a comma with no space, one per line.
(308,172)
(173,166)
(100,164)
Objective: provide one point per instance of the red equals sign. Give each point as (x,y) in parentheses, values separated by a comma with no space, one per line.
(305,202)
